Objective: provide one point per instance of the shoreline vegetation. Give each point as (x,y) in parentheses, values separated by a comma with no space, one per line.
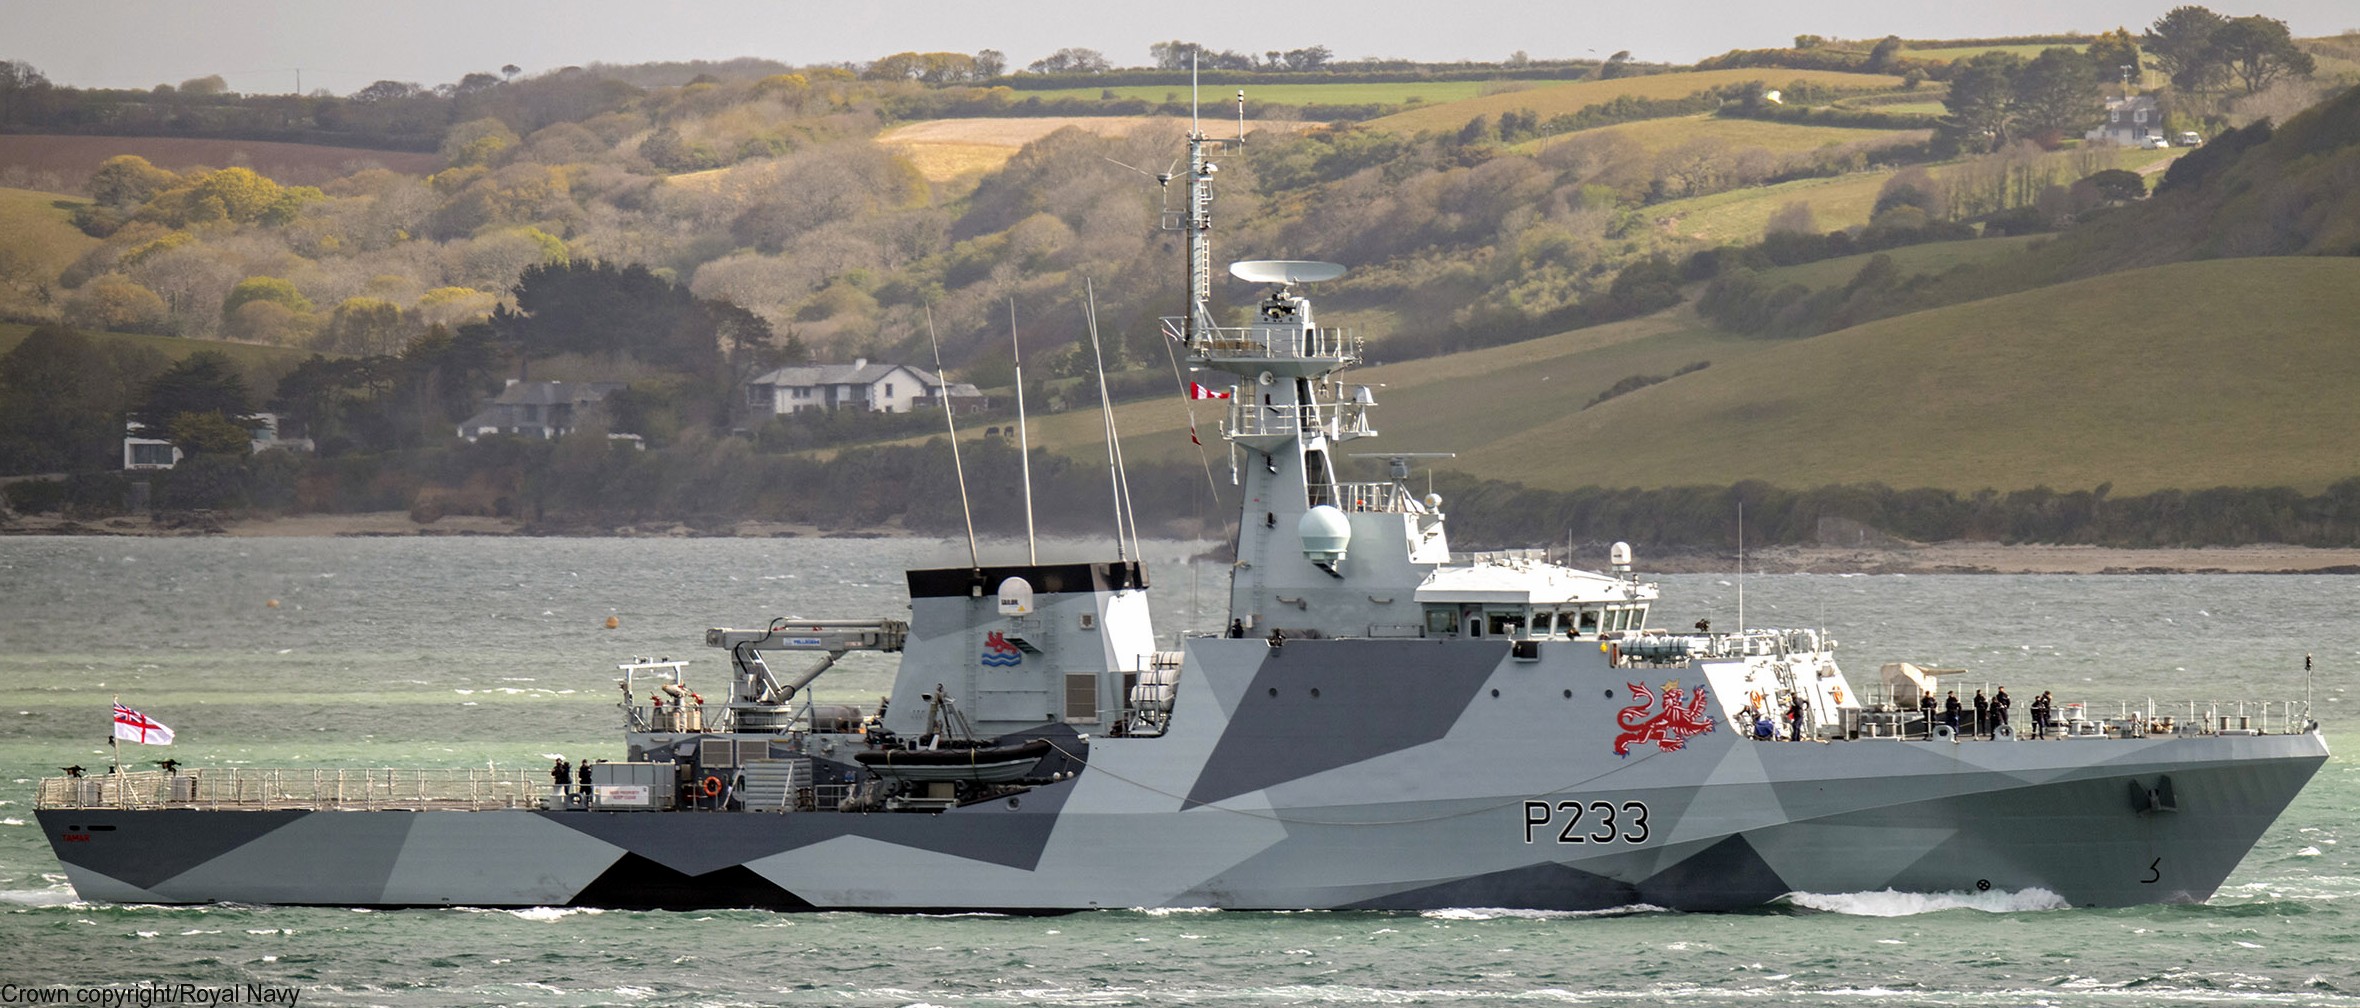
(1887,557)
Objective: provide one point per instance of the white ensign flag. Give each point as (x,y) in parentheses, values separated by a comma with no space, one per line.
(133,726)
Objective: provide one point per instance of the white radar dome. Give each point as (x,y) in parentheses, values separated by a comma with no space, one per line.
(1326,534)
(1285,271)
(1016,597)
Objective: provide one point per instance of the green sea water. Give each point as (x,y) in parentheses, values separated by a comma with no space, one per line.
(468,652)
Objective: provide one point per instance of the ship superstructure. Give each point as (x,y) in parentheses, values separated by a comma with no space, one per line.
(1381,724)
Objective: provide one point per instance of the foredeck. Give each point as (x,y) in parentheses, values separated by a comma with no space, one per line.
(248,788)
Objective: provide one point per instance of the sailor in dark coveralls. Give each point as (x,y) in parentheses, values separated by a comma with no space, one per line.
(562,775)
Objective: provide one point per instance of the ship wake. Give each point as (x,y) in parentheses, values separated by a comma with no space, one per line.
(1891,903)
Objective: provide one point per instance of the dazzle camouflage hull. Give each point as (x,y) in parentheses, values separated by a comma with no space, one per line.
(1405,783)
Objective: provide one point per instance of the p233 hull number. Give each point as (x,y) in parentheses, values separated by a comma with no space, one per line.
(1579,822)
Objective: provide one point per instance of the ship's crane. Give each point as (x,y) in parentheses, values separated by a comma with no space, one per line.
(755,685)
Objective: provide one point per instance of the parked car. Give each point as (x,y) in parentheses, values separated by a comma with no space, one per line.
(2189,138)
(2155,142)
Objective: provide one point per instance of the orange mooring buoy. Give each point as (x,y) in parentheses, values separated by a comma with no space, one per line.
(612,622)
(274,603)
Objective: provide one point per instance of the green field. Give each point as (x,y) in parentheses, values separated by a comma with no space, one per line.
(1741,215)
(37,226)
(1556,99)
(1658,135)
(1217,97)
(1932,257)
(2215,373)
(1844,201)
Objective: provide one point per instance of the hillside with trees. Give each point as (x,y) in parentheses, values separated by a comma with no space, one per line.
(682,227)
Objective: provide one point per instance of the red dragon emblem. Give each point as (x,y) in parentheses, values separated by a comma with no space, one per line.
(1669,728)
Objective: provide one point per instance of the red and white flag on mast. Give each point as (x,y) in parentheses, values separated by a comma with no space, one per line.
(133,726)
(1196,391)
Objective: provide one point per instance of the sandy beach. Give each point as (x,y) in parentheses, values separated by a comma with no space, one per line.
(1890,557)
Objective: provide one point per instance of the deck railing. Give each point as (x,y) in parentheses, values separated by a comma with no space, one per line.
(318,789)
(2086,719)
(1275,342)
(1248,418)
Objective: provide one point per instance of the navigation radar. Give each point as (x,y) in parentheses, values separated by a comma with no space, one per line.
(1285,271)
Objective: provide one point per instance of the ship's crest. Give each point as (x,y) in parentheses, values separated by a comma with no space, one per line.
(1669,727)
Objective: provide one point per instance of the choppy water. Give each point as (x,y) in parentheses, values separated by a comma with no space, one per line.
(455,652)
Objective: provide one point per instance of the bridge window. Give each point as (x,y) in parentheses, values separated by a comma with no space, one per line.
(1442,621)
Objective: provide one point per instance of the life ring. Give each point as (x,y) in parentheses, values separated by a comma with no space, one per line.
(712,786)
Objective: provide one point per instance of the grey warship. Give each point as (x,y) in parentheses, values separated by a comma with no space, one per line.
(1381,725)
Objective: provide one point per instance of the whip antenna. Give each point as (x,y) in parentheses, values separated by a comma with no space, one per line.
(943,393)
(1118,477)
(1032,546)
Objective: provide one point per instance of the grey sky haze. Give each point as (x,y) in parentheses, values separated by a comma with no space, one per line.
(259,45)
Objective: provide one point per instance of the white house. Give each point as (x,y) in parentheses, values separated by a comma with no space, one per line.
(877,388)
(542,410)
(143,452)
(2129,121)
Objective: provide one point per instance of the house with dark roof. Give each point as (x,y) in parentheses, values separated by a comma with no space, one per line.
(860,385)
(2130,121)
(543,410)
